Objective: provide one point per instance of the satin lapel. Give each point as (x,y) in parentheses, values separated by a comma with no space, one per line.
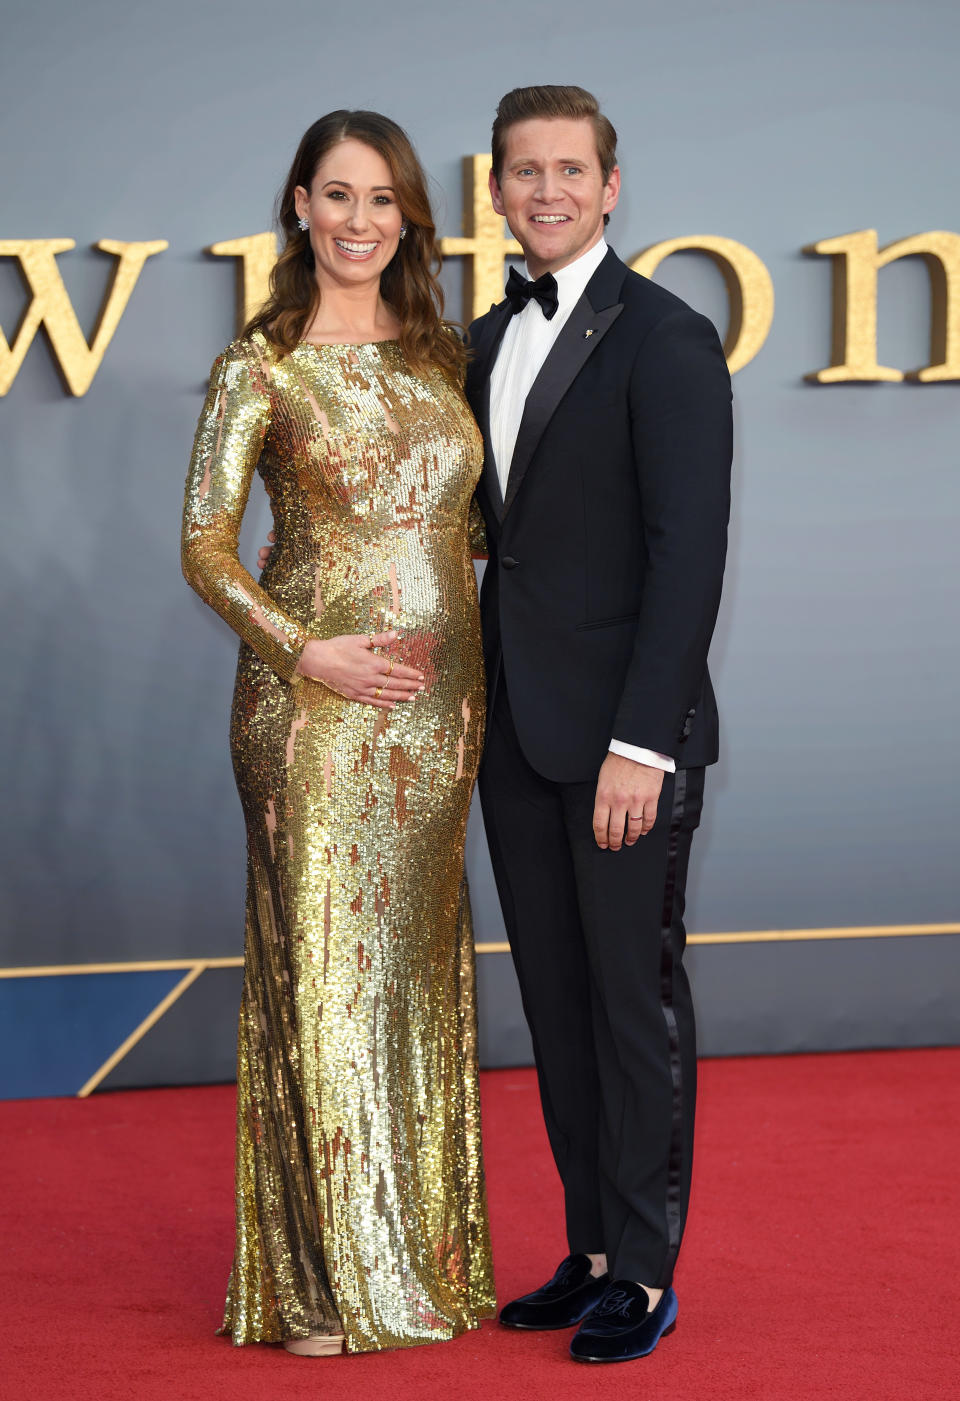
(571,351)
(498,319)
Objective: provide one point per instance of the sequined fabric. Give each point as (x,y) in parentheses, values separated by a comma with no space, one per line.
(359,1182)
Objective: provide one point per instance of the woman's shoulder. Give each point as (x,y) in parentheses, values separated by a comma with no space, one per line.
(254,346)
(454,367)
(247,355)
(453,328)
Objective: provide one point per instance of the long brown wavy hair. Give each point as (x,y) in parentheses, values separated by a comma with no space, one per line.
(408,284)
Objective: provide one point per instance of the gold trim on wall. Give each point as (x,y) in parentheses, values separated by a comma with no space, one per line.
(140,1032)
(747,936)
(155,965)
(851,931)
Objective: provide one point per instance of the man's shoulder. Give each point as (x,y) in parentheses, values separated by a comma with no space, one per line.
(653,303)
(475,329)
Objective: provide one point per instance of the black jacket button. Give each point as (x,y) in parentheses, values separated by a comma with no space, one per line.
(509,562)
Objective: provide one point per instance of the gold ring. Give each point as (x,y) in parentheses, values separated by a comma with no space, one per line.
(378,692)
(390,667)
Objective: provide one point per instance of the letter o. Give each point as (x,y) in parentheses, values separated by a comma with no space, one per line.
(749,289)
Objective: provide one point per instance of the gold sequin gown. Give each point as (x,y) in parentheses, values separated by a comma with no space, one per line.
(359,1182)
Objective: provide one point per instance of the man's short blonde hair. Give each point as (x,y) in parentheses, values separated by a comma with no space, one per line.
(524,104)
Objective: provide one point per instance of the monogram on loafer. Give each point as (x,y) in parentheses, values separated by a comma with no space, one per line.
(564,1300)
(622,1326)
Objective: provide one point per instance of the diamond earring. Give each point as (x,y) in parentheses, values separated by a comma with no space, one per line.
(304,225)
(403,230)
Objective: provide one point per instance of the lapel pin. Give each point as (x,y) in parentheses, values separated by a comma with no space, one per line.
(587,335)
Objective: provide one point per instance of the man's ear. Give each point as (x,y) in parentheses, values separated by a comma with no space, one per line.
(495,195)
(611,191)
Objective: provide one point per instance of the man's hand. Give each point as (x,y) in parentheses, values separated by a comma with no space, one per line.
(266,551)
(626,803)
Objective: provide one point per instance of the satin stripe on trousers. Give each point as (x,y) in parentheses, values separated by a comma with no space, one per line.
(597,939)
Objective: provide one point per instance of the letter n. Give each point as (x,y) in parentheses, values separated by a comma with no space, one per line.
(857,260)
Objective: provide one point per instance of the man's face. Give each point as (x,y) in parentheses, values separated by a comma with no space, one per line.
(552,191)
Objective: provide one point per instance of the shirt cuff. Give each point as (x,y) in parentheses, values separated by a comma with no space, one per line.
(643,756)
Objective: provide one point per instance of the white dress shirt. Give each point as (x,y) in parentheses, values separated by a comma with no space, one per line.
(526,343)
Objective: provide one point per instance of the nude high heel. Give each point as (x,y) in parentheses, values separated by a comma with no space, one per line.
(320,1345)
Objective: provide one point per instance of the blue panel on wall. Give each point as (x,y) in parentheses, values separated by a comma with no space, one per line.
(55,1032)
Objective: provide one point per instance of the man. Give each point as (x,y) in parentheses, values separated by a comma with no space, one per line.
(605,406)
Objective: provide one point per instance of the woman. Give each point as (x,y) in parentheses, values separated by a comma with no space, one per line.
(356,729)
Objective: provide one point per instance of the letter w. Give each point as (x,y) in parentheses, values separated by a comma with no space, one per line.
(52,308)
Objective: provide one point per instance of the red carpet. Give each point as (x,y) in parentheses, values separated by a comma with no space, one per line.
(820,1260)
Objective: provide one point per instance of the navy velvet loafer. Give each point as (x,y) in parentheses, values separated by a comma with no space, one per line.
(564,1300)
(622,1327)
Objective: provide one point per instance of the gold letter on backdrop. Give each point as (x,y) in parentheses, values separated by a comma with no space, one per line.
(257,254)
(857,260)
(483,241)
(51,306)
(749,289)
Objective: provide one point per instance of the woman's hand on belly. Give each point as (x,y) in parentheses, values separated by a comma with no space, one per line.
(349,666)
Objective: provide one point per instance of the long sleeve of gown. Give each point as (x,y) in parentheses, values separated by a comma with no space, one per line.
(229,439)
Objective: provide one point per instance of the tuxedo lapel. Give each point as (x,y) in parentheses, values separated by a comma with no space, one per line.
(497,321)
(585,328)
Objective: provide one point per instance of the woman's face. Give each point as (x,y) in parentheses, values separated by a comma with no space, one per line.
(353,212)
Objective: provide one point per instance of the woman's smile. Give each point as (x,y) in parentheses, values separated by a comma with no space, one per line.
(355,250)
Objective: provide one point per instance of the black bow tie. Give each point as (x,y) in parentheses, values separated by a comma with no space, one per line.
(521,290)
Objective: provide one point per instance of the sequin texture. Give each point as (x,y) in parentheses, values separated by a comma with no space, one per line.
(359,1182)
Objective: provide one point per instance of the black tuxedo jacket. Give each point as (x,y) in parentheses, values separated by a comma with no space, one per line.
(606,556)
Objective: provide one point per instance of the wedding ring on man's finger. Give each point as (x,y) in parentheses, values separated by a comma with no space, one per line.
(635,819)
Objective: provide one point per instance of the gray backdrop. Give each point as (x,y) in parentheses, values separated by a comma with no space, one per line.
(835,657)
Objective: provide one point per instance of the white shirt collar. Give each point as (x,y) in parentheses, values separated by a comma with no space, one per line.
(572,280)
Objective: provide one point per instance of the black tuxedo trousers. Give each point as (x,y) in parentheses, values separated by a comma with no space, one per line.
(597,939)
